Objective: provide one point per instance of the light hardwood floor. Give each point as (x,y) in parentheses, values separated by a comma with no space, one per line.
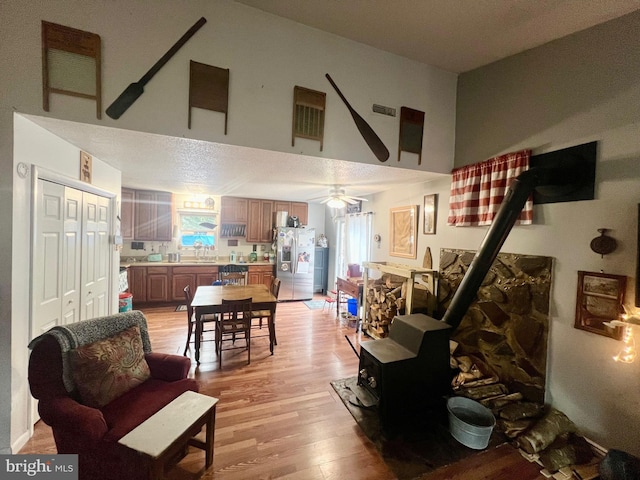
(279,417)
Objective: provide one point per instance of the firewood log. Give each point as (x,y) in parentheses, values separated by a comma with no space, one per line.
(566,450)
(496,403)
(521,410)
(545,431)
(478,393)
(395,292)
(481,381)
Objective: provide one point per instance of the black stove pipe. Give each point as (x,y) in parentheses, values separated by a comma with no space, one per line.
(569,175)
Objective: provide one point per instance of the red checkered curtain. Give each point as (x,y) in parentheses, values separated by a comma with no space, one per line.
(477,190)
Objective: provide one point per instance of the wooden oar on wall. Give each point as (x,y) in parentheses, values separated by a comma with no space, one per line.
(375,144)
(134,90)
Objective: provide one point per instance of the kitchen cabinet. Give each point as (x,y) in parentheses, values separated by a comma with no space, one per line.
(157,284)
(293,209)
(152,216)
(194,276)
(234,210)
(260,274)
(279,206)
(300,210)
(138,284)
(321,270)
(252,218)
(127,202)
(165,283)
(260,221)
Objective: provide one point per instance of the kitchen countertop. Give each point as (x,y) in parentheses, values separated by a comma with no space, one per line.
(189,263)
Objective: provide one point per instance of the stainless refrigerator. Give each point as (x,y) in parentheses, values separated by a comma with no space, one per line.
(295,249)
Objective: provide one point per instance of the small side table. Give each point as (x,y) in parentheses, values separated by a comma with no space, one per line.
(161,437)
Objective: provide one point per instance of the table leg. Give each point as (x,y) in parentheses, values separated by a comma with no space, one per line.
(338,303)
(211,425)
(196,340)
(272,328)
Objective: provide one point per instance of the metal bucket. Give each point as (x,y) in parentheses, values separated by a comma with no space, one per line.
(174,257)
(470,422)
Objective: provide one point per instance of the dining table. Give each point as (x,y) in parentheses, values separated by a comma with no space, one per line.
(208,300)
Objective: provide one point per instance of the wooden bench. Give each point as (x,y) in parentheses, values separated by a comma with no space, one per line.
(162,436)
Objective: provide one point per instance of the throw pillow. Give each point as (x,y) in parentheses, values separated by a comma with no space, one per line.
(108,368)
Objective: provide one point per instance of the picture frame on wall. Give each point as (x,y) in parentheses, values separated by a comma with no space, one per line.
(429,208)
(600,299)
(403,222)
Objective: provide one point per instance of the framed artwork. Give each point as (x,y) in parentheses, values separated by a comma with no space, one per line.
(402,230)
(429,209)
(86,166)
(600,299)
(354,207)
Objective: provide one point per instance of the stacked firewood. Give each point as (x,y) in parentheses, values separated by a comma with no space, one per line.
(384,299)
(542,433)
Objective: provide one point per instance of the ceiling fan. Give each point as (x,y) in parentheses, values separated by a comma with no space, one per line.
(338,198)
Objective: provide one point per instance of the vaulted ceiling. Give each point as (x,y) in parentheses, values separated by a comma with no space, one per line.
(455,35)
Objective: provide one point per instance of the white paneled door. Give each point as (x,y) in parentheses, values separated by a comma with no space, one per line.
(71,249)
(71,256)
(47,258)
(95,256)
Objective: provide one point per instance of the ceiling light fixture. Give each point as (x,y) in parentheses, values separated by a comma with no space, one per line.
(336,202)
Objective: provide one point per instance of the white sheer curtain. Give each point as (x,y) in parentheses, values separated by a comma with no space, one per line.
(358,238)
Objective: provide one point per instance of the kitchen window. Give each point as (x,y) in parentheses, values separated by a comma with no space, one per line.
(197,229)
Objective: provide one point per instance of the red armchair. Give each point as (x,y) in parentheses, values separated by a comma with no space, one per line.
(93,432)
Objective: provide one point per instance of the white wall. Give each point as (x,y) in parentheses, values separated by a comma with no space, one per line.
(35,146)
(267,56)
(580,89)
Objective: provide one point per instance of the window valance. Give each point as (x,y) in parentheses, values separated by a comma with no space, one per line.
(477,190)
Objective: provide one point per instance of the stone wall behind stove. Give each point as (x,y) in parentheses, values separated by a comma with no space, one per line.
(507,326)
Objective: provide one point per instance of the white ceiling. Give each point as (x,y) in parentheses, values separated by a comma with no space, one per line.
(455,35)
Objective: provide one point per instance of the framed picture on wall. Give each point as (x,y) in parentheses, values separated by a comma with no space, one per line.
(429,209)
(402,230)
(600,300)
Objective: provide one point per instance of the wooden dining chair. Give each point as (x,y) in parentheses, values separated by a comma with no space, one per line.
(234,278)
(191,320)
(233,323)
(257,316)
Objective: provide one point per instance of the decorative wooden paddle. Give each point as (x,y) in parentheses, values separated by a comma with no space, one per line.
(134,90)
(375,144)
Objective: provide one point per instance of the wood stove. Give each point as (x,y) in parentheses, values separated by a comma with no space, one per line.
(408,372)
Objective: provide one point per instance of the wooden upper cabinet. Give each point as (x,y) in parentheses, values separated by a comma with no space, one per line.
(234,210)
(279,206)
(152,216)
(253,226)
(257,215)
(164,224)
(266,227)
(126,213)
(300,210)
(259,226)
(293,209)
